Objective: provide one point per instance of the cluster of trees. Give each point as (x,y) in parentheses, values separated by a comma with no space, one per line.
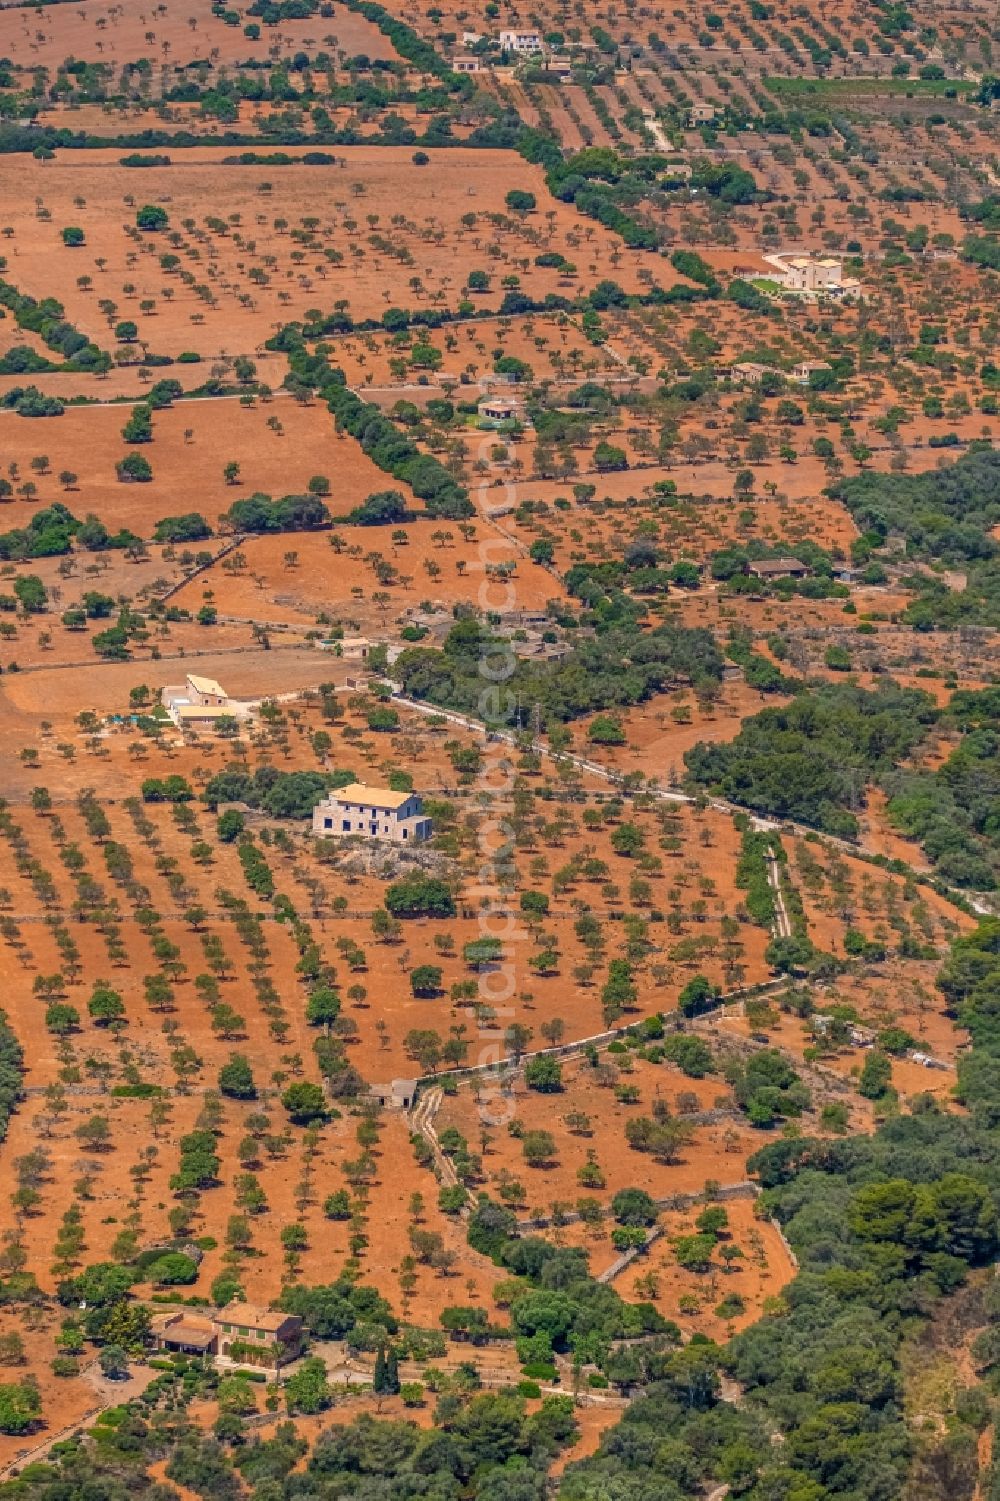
(621,667)
(289,513)
(812,759)
(282,794)
(947,514)
(52,532)
(726,181)
(970,984)
(482,1444)
(339,1308)
(47,319)
(381,508)
(641,571)
(556,1307)
(29,401)
(419,895)
(951,809)
(189,527)
(21,359)
(599,182)
(398,455)
(170,789)
(767,1087)
(11,1072)
(885,1229)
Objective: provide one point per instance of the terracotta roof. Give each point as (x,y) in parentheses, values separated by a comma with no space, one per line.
(372,797)
(250,1316)
(185,1331)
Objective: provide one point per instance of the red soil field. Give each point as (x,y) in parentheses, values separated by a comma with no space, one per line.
(187,471)
(174,33)
(243,313)
(342,583)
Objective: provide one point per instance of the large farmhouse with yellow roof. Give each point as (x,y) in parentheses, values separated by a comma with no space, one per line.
(372,813)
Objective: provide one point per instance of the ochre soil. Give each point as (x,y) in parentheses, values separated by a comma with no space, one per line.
(439,248)
(116,34)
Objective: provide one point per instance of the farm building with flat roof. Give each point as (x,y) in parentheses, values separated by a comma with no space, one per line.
(195,701)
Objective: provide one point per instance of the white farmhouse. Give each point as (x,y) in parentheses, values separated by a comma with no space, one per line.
(525,43)
(196,701)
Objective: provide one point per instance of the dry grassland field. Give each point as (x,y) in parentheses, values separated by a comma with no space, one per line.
(249,274)
(119,34)
(499,752)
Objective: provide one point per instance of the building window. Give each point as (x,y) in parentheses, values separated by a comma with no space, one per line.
(347,824)
(406,833)
(328,823)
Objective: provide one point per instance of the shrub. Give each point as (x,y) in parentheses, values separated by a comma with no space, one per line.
(697,996)
(420,896)
(425,980)
(134,469)
(151,217)
(544,1075)
(236,1079)
(189,527)
(175,1269)
(305,1102)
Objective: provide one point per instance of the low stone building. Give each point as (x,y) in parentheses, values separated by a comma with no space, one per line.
(354,648)
(701,114)
(779,568)
(260,1337)
(372,813)
(185,1334)
(750,372)
(240,1335)
(499,411)
(398,1094)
